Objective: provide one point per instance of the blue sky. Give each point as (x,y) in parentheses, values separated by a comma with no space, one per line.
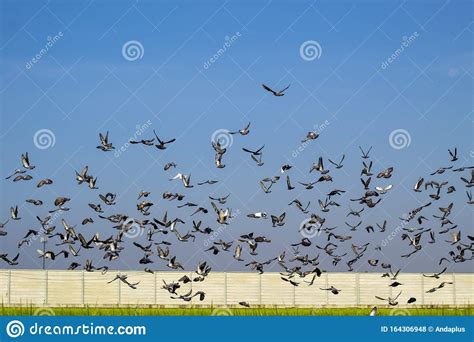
(83,85)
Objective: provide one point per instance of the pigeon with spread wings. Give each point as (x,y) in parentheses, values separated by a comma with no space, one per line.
(276,93)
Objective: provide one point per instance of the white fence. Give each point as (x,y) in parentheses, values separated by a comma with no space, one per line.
(79,288)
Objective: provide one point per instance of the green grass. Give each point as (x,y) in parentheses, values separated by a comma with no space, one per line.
(190,311)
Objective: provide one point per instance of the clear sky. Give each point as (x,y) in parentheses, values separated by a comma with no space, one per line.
(199,69)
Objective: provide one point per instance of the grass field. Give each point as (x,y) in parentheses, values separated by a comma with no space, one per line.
(129,311)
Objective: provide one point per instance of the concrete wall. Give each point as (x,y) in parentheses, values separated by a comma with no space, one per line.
(79,288)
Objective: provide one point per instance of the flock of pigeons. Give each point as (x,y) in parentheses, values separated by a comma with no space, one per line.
(300,268)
